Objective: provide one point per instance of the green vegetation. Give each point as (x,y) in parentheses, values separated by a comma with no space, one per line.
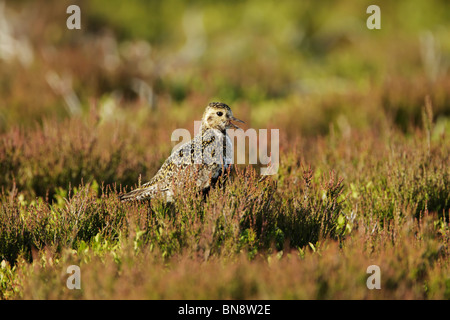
(364,177)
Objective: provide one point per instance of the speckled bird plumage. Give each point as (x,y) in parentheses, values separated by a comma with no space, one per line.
(203,159)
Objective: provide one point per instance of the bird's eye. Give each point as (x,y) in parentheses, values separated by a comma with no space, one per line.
(219,113)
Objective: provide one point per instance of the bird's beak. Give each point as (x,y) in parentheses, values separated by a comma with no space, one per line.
(232,124)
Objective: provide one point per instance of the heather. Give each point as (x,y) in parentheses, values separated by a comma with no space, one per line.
(364,176)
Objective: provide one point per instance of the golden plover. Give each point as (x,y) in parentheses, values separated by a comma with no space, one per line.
(204,158)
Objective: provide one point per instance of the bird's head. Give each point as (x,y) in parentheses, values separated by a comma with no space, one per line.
(219,116)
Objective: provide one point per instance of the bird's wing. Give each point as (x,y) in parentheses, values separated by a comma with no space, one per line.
(199,151)
(162,179)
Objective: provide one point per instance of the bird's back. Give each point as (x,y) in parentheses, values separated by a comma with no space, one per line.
(203,159)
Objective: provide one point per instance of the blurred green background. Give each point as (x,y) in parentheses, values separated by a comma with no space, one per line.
(296,65)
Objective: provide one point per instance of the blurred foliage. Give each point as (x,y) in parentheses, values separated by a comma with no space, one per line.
(177,53)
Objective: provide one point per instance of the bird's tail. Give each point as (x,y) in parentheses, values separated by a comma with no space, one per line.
(137,194)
